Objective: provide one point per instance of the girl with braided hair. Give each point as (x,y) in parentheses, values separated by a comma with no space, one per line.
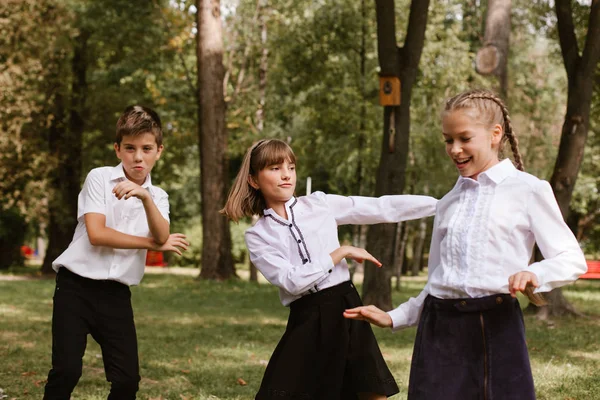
(470,341)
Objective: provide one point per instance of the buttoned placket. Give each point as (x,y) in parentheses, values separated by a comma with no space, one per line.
(296,235)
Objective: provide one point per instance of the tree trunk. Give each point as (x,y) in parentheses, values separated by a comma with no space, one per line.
(580,74)
(401,240)
(65,146)
(419,245)
(492,58)
(401,62)
(217,260)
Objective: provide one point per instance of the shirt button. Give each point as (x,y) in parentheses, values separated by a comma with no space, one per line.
(290,225)
(299,241)
(499,300)
(329,271)
(463,303)
(305,260)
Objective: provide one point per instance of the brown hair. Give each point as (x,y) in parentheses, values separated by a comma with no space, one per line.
(491,110)
(137,120)
(243,199)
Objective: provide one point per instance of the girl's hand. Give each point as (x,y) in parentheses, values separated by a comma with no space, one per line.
(520,281)
(128,189)
(175,243)
(359,255)
(371,314)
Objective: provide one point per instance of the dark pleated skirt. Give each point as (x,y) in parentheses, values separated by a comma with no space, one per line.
(323,355)
(471,349)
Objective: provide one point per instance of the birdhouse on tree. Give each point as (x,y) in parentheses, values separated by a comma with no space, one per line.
(389,90)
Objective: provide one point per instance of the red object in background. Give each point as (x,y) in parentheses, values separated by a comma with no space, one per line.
(26,251)
(155,259)
(593,271)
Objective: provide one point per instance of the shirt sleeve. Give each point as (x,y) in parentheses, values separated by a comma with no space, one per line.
(563,259)
(279,271)
(360,210)
(408,313)
(162,204)
(92,196)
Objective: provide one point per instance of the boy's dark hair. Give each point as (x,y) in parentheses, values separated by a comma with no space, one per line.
(136,120)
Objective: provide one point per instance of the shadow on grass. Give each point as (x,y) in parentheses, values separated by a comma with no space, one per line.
(201,339)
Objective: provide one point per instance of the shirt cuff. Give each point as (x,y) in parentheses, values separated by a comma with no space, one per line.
(327,264)
(399,319)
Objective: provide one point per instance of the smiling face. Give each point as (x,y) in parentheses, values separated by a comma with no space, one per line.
(471,145)
(276,182)
(138,153)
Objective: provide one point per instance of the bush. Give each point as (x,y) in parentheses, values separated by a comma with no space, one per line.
(12,237)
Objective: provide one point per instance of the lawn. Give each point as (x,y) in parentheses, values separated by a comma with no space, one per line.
(204,340)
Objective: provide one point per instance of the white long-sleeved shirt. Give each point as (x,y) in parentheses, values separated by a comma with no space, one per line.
(294,253)
(484,231)
(125,215)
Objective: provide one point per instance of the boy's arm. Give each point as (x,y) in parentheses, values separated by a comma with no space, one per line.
(159,226)
(100,235)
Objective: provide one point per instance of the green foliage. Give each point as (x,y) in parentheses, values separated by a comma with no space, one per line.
(321,92)
(193,230)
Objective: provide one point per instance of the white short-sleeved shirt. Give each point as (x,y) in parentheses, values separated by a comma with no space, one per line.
(484,232)
(126,216)
(294,253)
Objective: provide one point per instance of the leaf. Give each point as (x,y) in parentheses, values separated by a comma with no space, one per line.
(241,382)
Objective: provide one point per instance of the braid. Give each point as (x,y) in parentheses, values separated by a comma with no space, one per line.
(465,100)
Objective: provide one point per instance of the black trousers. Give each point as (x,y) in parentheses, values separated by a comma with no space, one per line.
(103,309)
(471,349)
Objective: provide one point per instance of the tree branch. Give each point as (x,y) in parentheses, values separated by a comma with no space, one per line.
(387,48)
(415,33)
(566,34)
(591,49)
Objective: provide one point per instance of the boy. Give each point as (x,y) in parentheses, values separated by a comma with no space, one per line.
(120,216)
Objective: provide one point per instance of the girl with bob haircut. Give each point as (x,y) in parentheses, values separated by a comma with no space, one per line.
(295,245)
(470,340)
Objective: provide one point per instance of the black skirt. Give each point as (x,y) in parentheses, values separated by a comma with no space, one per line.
(323,355)
(471,349)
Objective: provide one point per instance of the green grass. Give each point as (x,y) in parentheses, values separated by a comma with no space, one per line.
(196,339)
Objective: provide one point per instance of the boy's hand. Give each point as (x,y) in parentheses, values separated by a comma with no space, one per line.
(371,314)
(127,189)
(175,243)
(520,281)
(359,255)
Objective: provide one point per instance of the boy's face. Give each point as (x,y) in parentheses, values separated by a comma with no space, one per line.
(138,154)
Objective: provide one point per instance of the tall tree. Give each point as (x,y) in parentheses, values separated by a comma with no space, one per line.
(492,58)
(217,260)
(402,62)
(581,69)
(65,142)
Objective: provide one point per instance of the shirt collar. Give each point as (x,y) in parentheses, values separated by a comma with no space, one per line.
(288,204)
(118,173)
(496,174)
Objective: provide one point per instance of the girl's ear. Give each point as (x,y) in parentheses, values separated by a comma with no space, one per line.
(497,133)
(252,182)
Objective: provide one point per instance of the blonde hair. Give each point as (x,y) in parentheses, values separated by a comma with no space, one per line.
(243,199)
(491,110)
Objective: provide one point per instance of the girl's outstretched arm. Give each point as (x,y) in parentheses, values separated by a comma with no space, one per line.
(360,210)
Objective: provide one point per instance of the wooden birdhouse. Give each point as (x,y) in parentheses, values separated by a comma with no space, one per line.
(389,90)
